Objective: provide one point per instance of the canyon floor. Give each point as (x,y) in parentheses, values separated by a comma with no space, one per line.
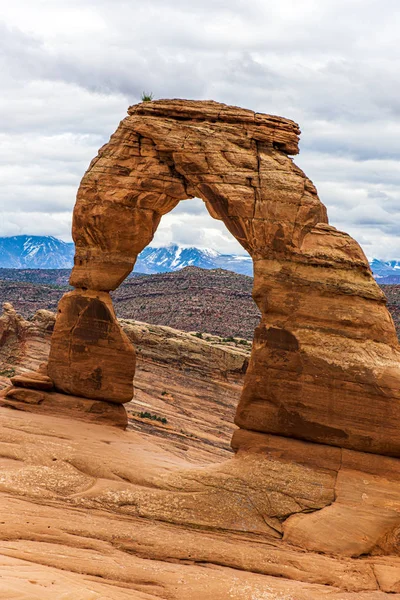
(165,510)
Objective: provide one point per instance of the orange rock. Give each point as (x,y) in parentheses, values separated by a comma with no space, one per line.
(90,355)
(64,406)
(325,359)
(28,396)
(128,511)
(33,379)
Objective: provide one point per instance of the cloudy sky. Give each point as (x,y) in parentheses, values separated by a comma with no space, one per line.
(70,68)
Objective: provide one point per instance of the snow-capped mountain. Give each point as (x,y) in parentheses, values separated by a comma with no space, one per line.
(175,257)
(35,252)
(386,271)
(48,252)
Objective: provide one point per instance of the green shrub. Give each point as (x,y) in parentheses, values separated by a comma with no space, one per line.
(147,415)
(8,372)
(147,97)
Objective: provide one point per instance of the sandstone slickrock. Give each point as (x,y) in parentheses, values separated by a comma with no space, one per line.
(27,351)
(97,510)
(23,342)
(153,513)
(325,360)
(33,379)
(29,396)
(75,407)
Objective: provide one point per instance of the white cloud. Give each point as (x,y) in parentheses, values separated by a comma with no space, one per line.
(70,70)
(203,232)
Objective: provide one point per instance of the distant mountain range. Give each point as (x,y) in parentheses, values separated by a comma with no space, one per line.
(386,272)
(47,252)
(35,252)
(174,257)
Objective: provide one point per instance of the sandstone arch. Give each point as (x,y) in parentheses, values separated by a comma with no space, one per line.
(325,360)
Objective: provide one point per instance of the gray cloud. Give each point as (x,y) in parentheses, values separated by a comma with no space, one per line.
(190,224)
(69,71)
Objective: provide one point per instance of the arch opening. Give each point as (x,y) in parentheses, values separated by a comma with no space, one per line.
(326,345)
(190,225)
(212,302)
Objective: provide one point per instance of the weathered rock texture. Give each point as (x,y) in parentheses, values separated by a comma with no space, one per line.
(165,510)
(24,349)
(194,383)
(325,361)
(91,355)
(93,512)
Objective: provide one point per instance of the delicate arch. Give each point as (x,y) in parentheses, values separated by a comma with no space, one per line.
(324,321)
(164,152)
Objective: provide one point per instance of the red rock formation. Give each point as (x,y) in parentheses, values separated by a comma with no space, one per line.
(93,511)
(23,341)
(96,511)
(91,355)
(182,376)
(325,362)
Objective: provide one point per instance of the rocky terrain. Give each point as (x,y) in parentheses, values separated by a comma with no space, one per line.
(193,299)
(308,504)
(83,500)
(30,297)
(54,277)
(174,371)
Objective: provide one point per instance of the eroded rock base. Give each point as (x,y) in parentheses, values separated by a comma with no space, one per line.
(90,355)
(325,361)
(64,405)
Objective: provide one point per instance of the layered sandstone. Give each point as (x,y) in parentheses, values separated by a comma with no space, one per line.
(164,510)
(306,518)
(25,345)
(23,342)
(91,355)
(95,512)
(193,383)
(325,359)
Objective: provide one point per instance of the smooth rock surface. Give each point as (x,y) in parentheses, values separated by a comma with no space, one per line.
(73,407)
(33,380)
(99,513)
